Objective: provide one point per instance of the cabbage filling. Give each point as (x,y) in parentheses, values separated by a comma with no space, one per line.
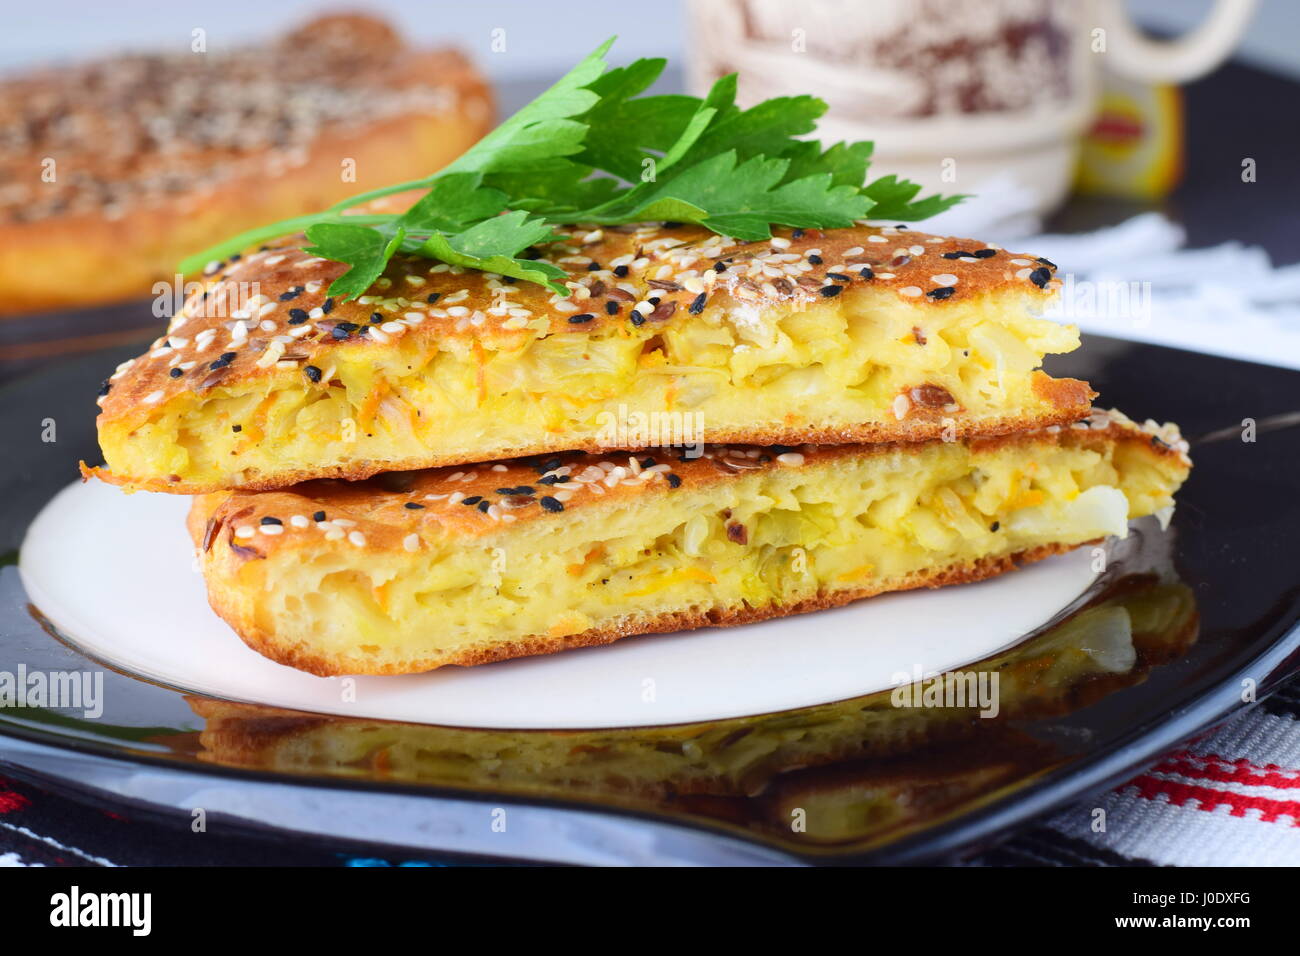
(732,371)
(766,538)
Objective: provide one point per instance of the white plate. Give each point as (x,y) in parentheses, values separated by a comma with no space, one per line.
(116,575)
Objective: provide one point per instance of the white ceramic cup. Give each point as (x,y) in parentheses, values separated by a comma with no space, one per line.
(952,92)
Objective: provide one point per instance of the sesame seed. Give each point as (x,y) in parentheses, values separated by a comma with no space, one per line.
(357,538)
(984,253)
(697,304)
(910,290)
(830,291)
(313,373)
(943,292)
(790,458)
(944,278)
(551,504)
(411,542)
(318,516)
(297,316)
(580,319)
(245,531)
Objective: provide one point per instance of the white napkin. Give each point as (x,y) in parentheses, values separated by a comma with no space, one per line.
(1137,281)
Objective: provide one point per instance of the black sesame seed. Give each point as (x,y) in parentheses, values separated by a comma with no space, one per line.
(1040,277)
(1047,262)
(611,307)
(638,319)
(313,373)
(339,332)
(797,234)
(780,449)
(866,272)
(236,257)
(580,319)
(236,428)
(697,304)
(995,525)
(551,504)
(674,481)
(719,266)
(593,266)
(269,520)
(620,271)
(484,505)
(413,505)
(297,316)
(830,291)
(815,259)
(552,479)
(672,224)
(955,254)
(472,500)
(327,306)
(942,292)
(653,300)
(509,280)
(318,516)
(376,318)
(647,462)
(105,387)
(175,373)
(984,253)
(838,277)
(434,297)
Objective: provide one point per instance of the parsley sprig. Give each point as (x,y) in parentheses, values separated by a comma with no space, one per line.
(591,149)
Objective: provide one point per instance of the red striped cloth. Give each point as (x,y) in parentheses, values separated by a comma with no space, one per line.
(1229,798)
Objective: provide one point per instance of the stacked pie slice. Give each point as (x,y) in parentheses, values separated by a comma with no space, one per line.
(455,468)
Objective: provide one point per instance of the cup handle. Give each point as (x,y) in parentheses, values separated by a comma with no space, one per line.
(1172,61)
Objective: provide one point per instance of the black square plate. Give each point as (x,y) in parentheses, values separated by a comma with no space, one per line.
(1180,631)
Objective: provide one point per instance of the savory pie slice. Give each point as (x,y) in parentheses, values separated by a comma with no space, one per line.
(112,171)
(411,571)
(672,335)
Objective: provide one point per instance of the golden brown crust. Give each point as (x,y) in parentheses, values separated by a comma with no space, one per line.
(106,228)
(476,307)
(467,501)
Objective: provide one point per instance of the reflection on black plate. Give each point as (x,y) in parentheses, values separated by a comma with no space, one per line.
(1163,647)
(848,774)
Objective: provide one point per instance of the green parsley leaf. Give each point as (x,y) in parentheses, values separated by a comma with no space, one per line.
(594,148)
(493,244)
(366,250)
